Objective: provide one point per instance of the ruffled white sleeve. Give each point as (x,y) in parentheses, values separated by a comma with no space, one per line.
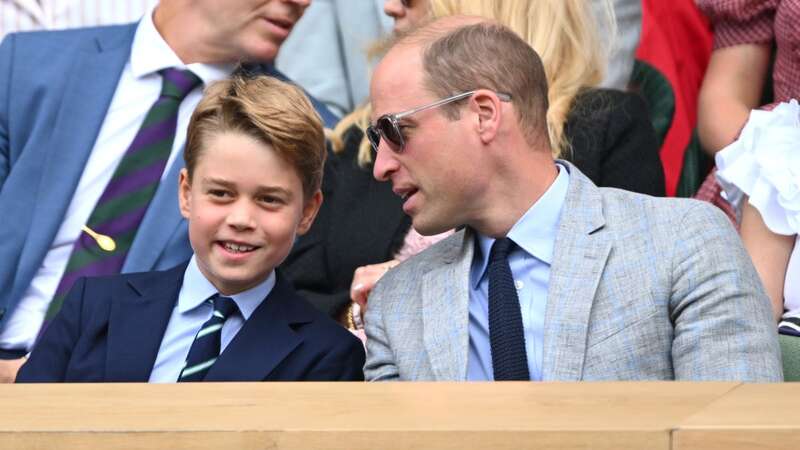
(764,164)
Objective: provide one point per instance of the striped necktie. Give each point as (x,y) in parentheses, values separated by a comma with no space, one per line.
(124,202)
(506,332)
(206,346)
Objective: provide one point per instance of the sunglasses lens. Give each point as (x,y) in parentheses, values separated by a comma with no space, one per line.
(391,133)
(374,137)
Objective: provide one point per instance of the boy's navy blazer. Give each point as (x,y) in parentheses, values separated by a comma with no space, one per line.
(55,91)
(110,330)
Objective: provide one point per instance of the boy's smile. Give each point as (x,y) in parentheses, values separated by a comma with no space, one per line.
(245,206)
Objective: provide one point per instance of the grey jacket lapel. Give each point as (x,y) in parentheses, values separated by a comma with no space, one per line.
(445,310)
(580,254)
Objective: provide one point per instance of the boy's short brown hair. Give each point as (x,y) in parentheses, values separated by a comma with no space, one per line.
(272,111)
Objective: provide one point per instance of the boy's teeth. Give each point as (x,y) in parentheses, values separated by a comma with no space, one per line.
(238,248)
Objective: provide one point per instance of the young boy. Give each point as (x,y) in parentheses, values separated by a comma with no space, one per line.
(254,156)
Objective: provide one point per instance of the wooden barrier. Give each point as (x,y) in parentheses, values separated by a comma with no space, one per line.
(434,416)
(752,416)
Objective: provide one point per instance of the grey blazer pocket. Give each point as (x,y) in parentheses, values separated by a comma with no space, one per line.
(647,323)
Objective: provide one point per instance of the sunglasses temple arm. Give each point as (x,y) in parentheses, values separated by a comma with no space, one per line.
(434,104)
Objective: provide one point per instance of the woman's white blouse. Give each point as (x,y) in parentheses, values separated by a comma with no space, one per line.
(764,164)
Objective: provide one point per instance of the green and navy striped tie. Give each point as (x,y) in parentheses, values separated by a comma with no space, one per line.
(121,207)
(206,346)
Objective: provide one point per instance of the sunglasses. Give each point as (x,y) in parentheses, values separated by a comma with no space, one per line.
(387,127)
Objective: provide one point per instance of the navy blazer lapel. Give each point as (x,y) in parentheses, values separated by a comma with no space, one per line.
(140,312)
(265,340)
(579,257)
(91,84)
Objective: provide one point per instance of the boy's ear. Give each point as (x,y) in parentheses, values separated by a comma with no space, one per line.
(184,193)
(310,210)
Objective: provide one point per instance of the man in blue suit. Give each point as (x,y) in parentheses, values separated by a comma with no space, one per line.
(71,103)
(251,184)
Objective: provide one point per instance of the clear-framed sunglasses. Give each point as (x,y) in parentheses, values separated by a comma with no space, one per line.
(388,126)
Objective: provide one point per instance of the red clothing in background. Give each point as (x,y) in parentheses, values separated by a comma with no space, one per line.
(676,40)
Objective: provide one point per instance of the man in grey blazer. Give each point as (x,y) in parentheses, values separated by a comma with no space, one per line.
(604,284)
(71,103)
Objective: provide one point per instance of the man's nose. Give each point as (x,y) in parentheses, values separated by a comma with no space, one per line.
(385,163)
(394,8)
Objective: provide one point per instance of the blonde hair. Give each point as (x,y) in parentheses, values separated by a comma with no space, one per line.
(564,33)
(275,113)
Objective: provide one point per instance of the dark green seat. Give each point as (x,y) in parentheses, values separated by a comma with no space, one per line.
(790,348)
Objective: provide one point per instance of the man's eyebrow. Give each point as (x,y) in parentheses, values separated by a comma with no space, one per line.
(408,120)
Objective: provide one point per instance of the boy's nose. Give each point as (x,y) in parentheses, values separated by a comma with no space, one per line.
(240,215)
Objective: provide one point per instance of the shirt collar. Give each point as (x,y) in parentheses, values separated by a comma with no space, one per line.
(197,289)
(535,232)
(151,53)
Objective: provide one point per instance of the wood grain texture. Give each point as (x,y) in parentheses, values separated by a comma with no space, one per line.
(751,416)
(349,415)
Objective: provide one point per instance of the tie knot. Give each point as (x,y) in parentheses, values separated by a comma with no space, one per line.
(178,83)
(501,248)
(224,306)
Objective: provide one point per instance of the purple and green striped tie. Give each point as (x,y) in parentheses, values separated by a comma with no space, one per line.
(127,196)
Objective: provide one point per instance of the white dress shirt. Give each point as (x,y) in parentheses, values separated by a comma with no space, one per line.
(138,88)
(192,311)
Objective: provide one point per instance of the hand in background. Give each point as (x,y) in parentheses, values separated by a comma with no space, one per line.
(9,369)
(364,280)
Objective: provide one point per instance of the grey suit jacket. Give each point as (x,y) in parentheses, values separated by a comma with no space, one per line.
(641,288)
(326,52)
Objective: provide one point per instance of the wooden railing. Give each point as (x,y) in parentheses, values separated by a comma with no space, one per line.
(352,416)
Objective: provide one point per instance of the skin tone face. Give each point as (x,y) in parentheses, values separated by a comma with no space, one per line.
(405,12)
(245,206)
(439,174)
(229,30)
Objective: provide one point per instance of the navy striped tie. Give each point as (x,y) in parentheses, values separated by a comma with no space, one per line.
(506,333)
(206,346)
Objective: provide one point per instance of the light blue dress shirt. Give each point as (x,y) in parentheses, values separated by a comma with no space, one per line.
(191,311)
(535,235)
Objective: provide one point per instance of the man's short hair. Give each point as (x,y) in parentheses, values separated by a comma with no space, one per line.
(273,112)
(490,56)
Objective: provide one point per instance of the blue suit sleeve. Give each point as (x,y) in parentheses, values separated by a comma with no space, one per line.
(6,54)
(51,356)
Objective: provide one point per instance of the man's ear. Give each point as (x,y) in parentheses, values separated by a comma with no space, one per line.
(310,210)
(488,111)
(185,193)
